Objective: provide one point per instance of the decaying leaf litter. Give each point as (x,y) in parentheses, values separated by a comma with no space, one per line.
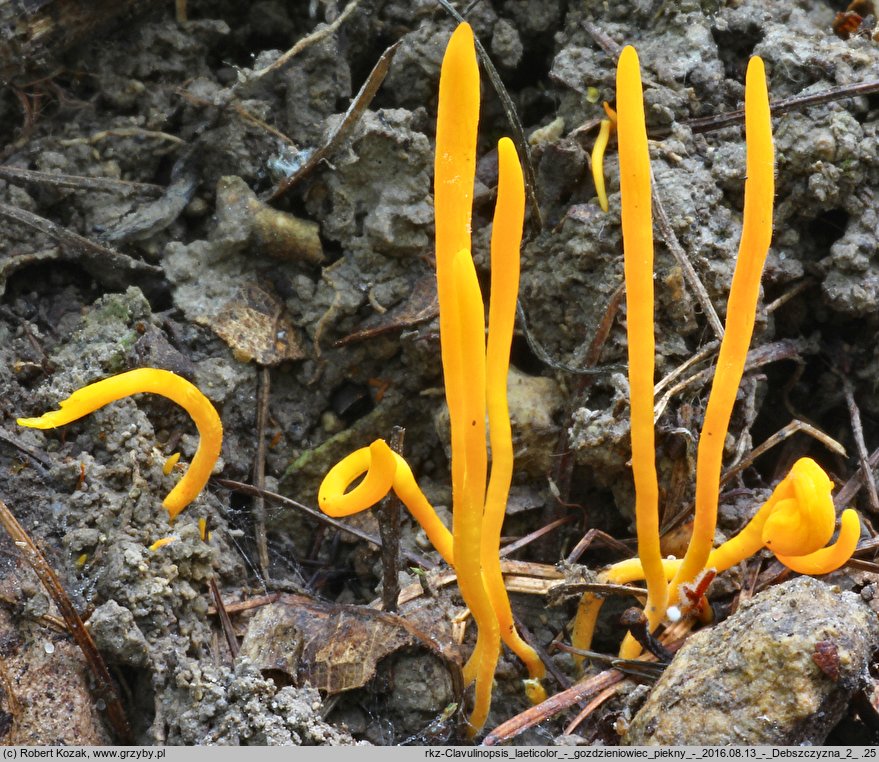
(220,288)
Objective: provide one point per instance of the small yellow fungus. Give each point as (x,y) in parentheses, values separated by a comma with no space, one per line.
(162,542)
(638,253)
(454,177)
(740,314)
(203,530)
(80,562)
(604,132)
(168,465)
(154,381)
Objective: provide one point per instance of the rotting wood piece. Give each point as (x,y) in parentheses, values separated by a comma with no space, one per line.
(33,33)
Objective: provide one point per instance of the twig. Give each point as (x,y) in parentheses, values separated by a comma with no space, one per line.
(259,468)
(690,275)
(600,588)
(225,621)
(709,349)
(112,260)
(125,132)
(545,358)
(589,538)
(306,42)
(564,466)
(345,126)
(858,434)
(38,457)
(553,706)
(851,488)
(9,690)
(785,349)
(535,535)
(17,175)
(603,696)
(248,489)
(389,528)
(777,438)
(778,107)
(727,118)
(104,685)
(635,621)
(560,677)
(795,290)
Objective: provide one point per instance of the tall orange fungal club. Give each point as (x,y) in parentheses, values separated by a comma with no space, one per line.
(741,311)
(637,224)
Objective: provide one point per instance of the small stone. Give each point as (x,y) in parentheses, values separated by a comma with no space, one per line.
(785,666)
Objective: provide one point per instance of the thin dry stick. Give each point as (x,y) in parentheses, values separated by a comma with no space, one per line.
(703,354)
(607,693)
(225,621)
(104,685)
(17,175)
(858,434)
(388,517)
(728,118)
(11,698)
(779,107)
(553,706)
(851,488)
(306,42)
(249,489)
(777,438)
(589,538)
(125,132)
(259,469)
(690,275)
(346,125)
(512,547)
(789,294)
(66,237)
(785,349)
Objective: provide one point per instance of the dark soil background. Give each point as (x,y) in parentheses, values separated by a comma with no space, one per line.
(310,323)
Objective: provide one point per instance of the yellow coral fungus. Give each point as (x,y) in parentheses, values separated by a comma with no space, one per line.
(154,381)
(597,158)
(740,313)
(454,176)
(475,384)
(170,462)
(798,519)
(638,252)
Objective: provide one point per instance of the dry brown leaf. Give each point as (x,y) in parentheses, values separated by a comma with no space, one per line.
(254,327)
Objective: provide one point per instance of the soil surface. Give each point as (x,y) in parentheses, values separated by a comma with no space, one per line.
(146,238)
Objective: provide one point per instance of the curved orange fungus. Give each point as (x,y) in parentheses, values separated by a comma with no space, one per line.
(154,381)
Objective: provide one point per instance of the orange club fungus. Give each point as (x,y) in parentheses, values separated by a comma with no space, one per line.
(475,371)
(798,520)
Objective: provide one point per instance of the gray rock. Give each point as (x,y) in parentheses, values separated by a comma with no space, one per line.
(117,636)
(778,672)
